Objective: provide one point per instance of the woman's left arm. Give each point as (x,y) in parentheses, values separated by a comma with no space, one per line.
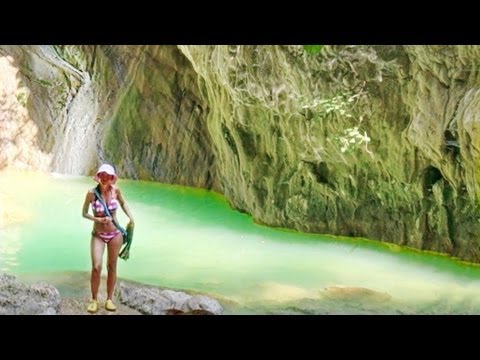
(124,206)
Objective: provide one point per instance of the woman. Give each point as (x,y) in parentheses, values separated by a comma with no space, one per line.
(105,232)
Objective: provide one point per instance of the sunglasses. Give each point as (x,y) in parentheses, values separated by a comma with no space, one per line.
(104,175)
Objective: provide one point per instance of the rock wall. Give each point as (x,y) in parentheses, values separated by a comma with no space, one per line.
(372,141)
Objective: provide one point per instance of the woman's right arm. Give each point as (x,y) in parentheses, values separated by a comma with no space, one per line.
(86,205)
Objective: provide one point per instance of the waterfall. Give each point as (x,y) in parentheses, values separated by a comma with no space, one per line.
(48,108)
(75,150)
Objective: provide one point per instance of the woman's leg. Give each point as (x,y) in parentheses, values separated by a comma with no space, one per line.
(113,249)
(97,247)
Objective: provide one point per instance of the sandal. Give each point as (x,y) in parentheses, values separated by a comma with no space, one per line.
(110,306)
(93,306)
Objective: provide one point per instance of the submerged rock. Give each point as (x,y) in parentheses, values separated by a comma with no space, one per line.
(355,294)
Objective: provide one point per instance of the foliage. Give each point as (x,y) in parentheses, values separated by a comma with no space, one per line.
(341,104)
(351,138)
(44,83)
(22,98)
(313,49)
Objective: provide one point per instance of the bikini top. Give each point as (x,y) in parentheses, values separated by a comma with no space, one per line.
(98,208)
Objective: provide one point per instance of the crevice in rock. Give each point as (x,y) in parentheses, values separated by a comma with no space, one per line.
(430,177)
(229,139)
(321,172)
(452,145)
(247,140)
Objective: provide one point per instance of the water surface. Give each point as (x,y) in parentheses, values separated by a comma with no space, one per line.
(188,238)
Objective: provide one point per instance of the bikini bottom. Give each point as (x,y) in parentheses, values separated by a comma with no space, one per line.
(106,236)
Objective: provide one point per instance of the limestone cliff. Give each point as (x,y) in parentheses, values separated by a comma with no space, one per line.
(136,106)
(373,141)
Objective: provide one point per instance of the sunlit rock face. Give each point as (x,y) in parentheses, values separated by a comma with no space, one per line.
(19,134)
(373,141)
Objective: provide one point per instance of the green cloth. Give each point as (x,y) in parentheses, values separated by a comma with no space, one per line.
(127,242)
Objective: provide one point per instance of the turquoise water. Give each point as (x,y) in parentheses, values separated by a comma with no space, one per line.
(191,239)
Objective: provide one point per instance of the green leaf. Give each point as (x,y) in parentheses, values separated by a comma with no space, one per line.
(313,49)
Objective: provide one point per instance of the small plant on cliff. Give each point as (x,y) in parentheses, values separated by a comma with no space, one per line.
(22,98)
(313,49)
(44,83)
(341,104)
(351,139)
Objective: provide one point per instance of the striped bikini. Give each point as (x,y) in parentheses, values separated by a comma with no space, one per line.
(106,236)
(98,210)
